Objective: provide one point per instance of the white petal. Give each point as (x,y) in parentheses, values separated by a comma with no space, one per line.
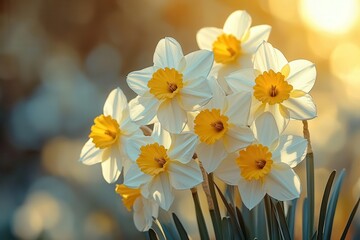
(168,53)
(238,107)
(252,192)
(211,155)
(237,137)
(183,146)
(301,108)
(115,104)
(257,35)
(302,75)
(198,64)
(256,109)
(141,217)
(127,126)
(282,183)
(127,163)
(265,129)
(291,150)
(195,94)
(205,37)
(281,115)
(237,24)
(171,116)
(161,191)
(242,80)
(109,165)
(228,171)
(90,154)
(135,177)
(138,80)
(218,99)
(133,145)
(267,57)
(184,176)
(161,136)
(143,109)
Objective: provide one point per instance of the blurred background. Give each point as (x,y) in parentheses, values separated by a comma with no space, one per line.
(60,58)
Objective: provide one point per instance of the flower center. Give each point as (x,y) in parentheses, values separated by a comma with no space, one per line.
(210,125)
(152,159)
(165,83)
(255,162)
(271,88)
(226,48)
(105,131)
(129,195)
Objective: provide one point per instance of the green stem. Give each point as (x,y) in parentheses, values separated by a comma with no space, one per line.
(216,214)
(309,180)
(204,235)
(269,217)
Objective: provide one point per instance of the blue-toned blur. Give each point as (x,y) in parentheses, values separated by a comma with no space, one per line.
(60,59)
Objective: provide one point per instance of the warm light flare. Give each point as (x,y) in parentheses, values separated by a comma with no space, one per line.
(333,16)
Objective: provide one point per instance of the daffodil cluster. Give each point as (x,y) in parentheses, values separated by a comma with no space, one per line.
(222,109)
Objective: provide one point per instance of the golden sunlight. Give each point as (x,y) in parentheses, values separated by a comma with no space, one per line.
(333,16)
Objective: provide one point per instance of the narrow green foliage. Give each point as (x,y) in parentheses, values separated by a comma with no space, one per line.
(163,229)
(305,219)
(351,217)
(204,235)
(152,235)
(310,193)
(216,224)
(241,221)
(282,221)
(180,228)
(314,236)
(215,213)
(324,204)
(231,212)
(227,230)
(332,205)
(272,225)
(290,218)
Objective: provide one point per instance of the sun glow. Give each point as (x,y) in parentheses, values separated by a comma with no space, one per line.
(333,16)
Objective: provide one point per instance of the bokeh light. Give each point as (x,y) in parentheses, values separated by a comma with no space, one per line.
(333,16)
(59,60)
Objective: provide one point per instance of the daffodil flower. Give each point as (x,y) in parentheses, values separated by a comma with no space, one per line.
(265,166)
(221,127)
(165,164)
(234,45)
(109,135)
(144,209)
(277,86)
(174,85)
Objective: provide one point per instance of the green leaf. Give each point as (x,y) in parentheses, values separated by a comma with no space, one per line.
(323,207)
(215,213)
(351,217)
(231,212)
(204,235)
(269,219)
(282,221)
(181,230)
(290,218)
(241,221)
(152,234)
(216,224)
(314,236)
(310,193)
(163,229)
(305,219)
(226,228)
(332,205)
